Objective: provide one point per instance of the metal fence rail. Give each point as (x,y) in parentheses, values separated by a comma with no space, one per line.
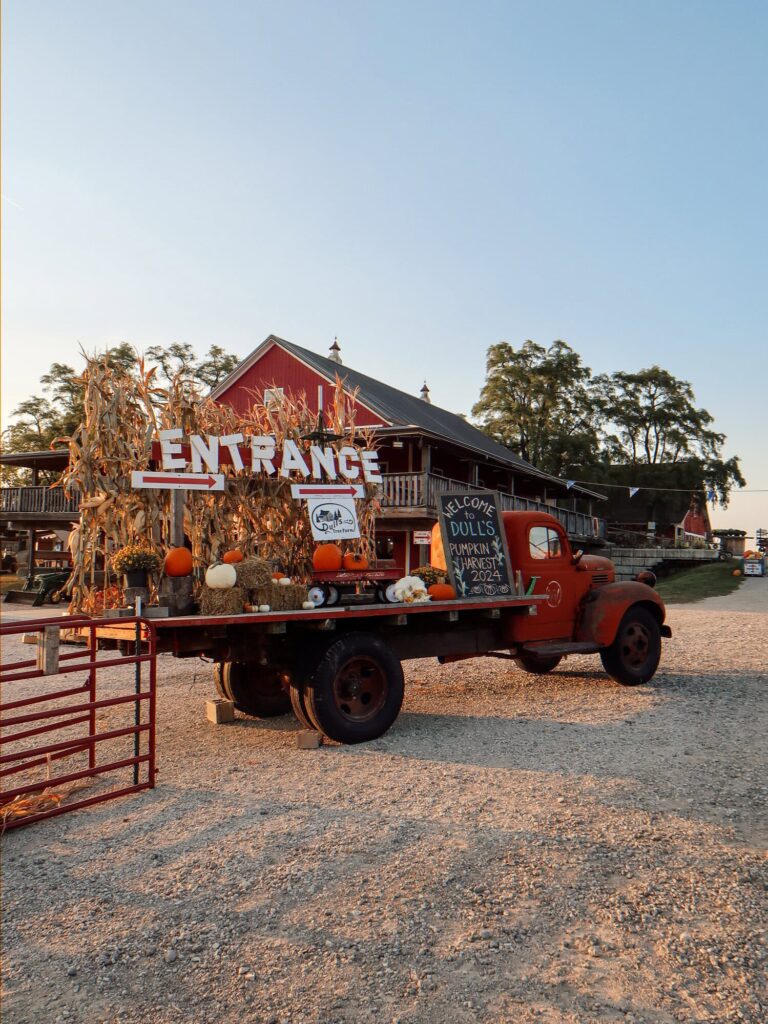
(27,718)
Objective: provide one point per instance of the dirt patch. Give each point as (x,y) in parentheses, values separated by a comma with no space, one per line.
(516,849)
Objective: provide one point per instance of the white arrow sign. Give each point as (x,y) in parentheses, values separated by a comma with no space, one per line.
(326,490)
(178,481)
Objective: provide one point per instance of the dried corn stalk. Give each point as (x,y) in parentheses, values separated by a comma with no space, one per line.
(123,414)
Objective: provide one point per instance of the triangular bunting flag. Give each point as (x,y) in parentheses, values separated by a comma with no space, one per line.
(711,496)
(569,484)
(633,491)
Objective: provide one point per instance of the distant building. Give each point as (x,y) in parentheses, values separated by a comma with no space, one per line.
(671,502)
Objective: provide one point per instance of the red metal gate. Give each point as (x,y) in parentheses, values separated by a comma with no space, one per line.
(34,797)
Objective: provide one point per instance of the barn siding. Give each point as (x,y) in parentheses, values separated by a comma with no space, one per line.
(278,368)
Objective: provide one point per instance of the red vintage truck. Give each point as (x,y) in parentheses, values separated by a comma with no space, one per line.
(339,667)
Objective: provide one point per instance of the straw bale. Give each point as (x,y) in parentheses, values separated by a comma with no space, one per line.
(253,573)
(281,597)
(222,602)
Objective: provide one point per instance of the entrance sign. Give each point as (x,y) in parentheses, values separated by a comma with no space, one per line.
(422,536)
(333,517)
(177,481)
(474,544)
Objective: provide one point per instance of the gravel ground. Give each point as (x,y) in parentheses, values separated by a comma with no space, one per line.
(516,849)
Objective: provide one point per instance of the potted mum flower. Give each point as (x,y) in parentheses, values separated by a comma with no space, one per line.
(134,562)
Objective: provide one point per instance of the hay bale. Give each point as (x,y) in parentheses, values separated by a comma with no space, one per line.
(280,597)
(253,573)
(222,602)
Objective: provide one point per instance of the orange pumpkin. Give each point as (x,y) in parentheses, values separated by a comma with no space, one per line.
(230,557)
(278,575)
(442,592)
(178,562)
(737,572)
(327,558)
(355,561)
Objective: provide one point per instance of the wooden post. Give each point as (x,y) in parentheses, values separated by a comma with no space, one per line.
(176,593)
(31,554)
(177,519)
(48,650)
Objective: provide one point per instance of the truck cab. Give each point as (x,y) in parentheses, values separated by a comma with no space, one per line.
(582,609)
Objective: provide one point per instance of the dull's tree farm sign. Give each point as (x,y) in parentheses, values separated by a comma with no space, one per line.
(474,544)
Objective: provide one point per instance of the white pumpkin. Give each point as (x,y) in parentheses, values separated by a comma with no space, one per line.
(308,605)
(220,576)
(284,581)
(263,607)
(411,590)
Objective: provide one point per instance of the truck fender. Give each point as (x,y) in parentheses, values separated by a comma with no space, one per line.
(604,609)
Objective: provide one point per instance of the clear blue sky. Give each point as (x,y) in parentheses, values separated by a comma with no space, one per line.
(420,179)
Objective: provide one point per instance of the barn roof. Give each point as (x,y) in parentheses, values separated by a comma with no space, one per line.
(399,409)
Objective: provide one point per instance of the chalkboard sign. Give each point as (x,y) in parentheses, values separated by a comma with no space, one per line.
(474,545)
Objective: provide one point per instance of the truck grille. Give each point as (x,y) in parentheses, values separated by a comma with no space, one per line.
(599,579)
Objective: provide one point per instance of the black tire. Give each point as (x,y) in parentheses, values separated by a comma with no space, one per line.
(633,657)
(255,689)
(536,664)
(355,690)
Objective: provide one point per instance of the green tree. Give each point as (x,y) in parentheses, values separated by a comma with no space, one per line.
(40,419)
(651,418)
(215,366)
(538,401)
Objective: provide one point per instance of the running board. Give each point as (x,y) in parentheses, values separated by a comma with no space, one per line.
(552,648)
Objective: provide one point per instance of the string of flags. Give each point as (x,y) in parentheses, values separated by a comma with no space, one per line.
(711,493)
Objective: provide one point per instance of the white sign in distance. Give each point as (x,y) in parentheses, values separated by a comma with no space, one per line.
(164,481)
(333,517)
(422,536)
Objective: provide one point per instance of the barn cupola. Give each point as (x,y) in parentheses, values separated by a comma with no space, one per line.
(424,394)
(335,356)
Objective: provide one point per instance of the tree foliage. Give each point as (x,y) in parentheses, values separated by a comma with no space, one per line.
(544,404)
(40,419)
(538,402)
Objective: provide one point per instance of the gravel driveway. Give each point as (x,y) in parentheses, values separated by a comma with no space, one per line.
(515,849)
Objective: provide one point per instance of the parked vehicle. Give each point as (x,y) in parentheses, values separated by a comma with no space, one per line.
(340,668)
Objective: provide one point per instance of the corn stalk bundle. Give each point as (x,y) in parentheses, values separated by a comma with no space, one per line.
(123,414)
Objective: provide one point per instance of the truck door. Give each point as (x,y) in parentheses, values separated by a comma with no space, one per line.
(548,557)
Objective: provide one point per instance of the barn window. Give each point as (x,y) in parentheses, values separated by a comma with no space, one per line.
(272,396)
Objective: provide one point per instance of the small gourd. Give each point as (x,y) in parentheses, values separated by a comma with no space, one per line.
(232,557)
(220,576)
(178,562)
(355,561)
(308,605)
(284,581)
(442,592)
(327,558)
(263,607)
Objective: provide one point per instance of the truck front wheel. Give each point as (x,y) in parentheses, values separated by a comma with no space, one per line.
(255,689)
(355,690)
(536,664)
(634,655)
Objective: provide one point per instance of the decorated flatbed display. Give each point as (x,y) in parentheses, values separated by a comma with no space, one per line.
(254,535)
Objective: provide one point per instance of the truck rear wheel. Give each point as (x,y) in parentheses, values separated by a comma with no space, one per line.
(634,655)
(255,689)
(537,664)
(299,704)
(355,691)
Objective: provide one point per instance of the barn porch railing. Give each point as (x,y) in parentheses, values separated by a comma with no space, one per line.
(420,490)
(37,500)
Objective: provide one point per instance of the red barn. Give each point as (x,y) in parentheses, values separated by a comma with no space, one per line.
(423,450)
